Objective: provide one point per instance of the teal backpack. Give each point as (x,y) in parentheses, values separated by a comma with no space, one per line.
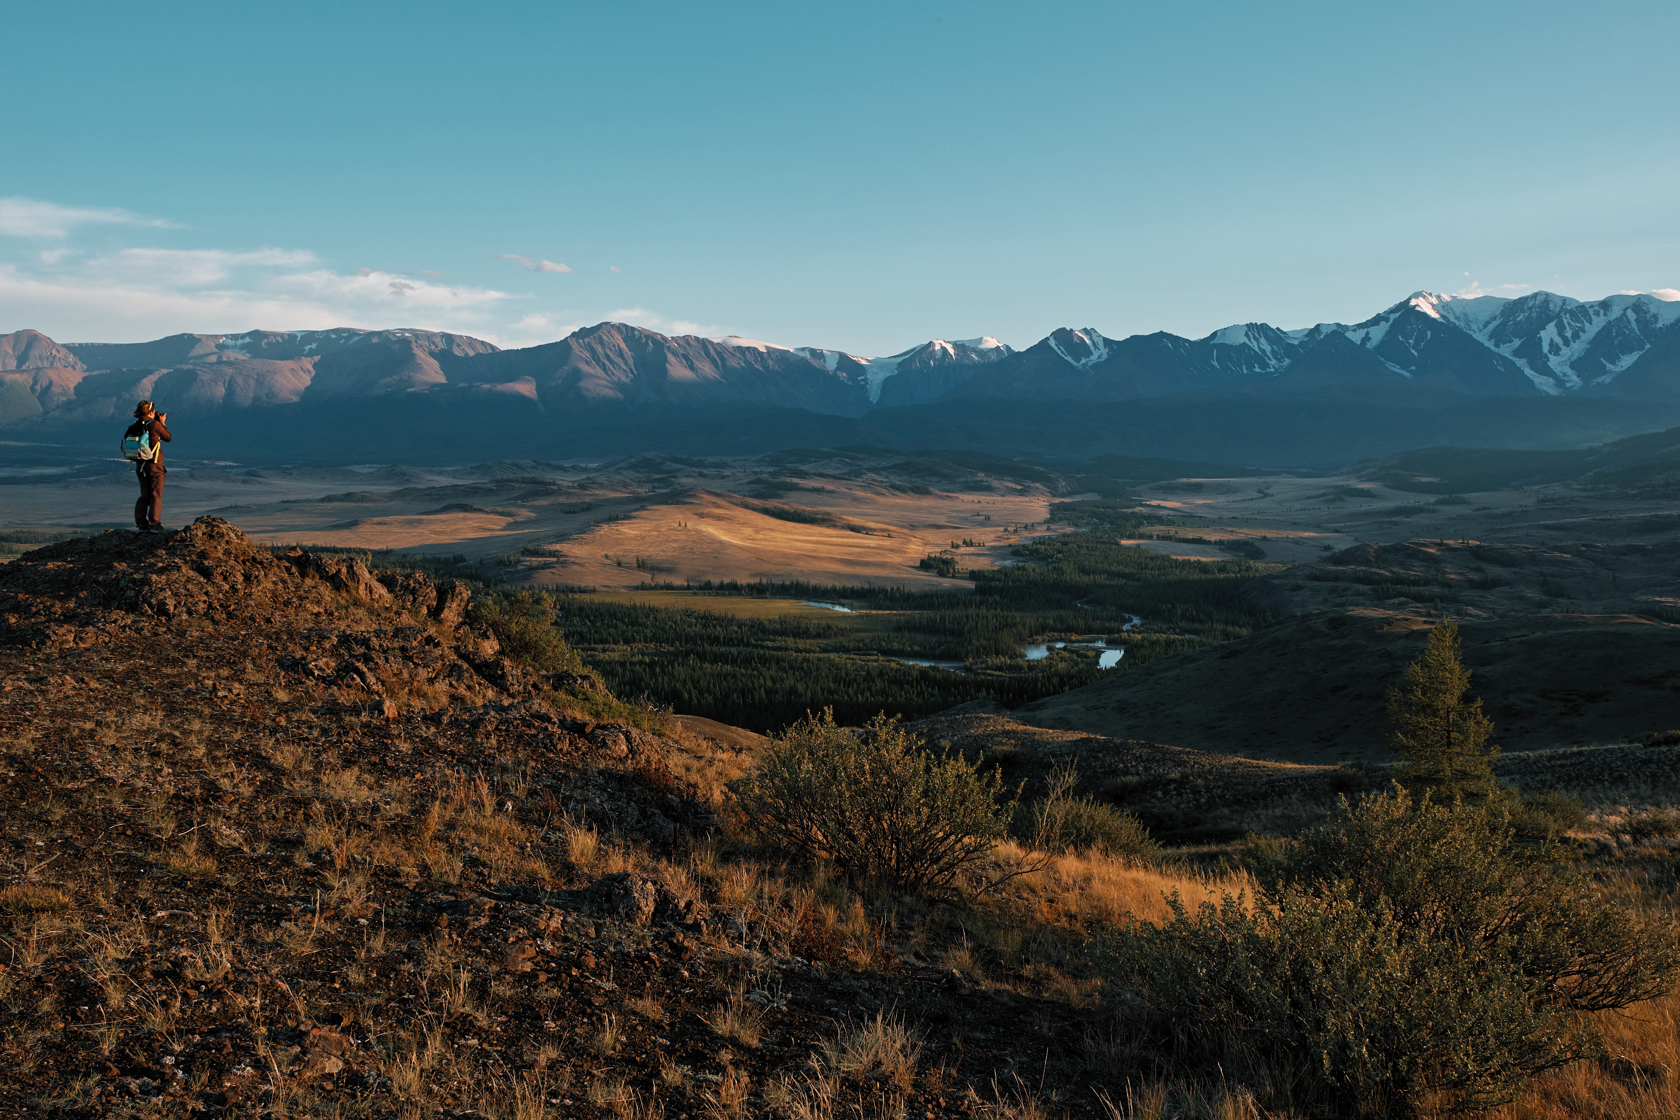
(139,448)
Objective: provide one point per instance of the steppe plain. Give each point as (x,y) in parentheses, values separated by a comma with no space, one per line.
(1569,595)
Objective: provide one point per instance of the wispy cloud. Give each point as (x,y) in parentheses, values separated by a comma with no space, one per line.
(30,217)
(653,321)
(190,268)
(123,293)
(1507,290)
(531,264)
(145,293)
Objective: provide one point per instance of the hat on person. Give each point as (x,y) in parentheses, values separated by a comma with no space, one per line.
(142,408)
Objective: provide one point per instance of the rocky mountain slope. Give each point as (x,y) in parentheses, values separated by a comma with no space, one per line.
(286,835)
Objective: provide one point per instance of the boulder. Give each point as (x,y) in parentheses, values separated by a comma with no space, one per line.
(452,601)
(632,898)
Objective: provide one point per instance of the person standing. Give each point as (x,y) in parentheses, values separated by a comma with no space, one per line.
(148,511)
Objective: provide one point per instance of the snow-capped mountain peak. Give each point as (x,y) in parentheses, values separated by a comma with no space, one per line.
(873,373)
(1082,348)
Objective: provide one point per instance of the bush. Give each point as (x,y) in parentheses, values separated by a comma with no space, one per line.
(1061,822)
(1548,815)
(523,623)
(1652,824)
(1404,950)
(877,805)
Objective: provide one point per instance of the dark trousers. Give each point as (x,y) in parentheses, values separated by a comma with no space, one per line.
(148,511)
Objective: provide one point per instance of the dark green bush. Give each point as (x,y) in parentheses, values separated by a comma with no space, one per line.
(877,804)
(523,623)
(1547,815)
(1061,822)
(1404,950)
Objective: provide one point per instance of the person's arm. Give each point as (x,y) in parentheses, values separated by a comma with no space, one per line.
(159,431)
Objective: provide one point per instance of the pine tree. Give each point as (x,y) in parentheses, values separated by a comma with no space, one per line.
(1443,738)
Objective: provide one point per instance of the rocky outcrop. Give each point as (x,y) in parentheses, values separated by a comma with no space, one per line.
(631,898)
(71,592)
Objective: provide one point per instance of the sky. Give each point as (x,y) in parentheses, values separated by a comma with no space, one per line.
(859,176)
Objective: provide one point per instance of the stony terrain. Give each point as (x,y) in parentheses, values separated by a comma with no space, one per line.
(283,835)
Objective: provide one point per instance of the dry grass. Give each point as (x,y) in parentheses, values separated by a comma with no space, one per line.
(605,1040)
(1637,1079)
(1181,1100)
(1027,935)
(883,1047)
(1083,891)
(26,898)
(729,1100)
(738,1019)
(582,843)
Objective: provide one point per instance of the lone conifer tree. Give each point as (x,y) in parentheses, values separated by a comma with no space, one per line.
(1443,737)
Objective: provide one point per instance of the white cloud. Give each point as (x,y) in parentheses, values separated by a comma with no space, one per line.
(539,328)
(1475,290)
(653,321)
(147,293)
(530,264)
(1668,295)
(30,217)
(189,268)
(135,292)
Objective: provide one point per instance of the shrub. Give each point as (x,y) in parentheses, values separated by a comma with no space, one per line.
(1061,822)
(1403,950)
(1652,824)
(1548,815)
(523,623)
(876,804)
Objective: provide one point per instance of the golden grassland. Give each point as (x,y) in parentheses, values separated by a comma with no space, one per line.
(1029,937)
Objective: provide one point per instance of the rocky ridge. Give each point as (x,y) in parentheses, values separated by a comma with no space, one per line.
(281,832)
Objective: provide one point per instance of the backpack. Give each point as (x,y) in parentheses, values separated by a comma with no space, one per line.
(139,448)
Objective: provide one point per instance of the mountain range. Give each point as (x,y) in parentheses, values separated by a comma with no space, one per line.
(1541,370)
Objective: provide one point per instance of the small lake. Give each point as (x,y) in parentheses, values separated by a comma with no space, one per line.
(1108,659)
(1038,651)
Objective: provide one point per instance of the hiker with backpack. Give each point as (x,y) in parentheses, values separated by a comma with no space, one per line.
(143,445)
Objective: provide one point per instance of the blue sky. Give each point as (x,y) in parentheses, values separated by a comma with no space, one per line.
(862,176)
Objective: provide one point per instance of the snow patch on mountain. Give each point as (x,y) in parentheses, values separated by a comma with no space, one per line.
(829,358)
(747,343)
(1270,350)
(877,370)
